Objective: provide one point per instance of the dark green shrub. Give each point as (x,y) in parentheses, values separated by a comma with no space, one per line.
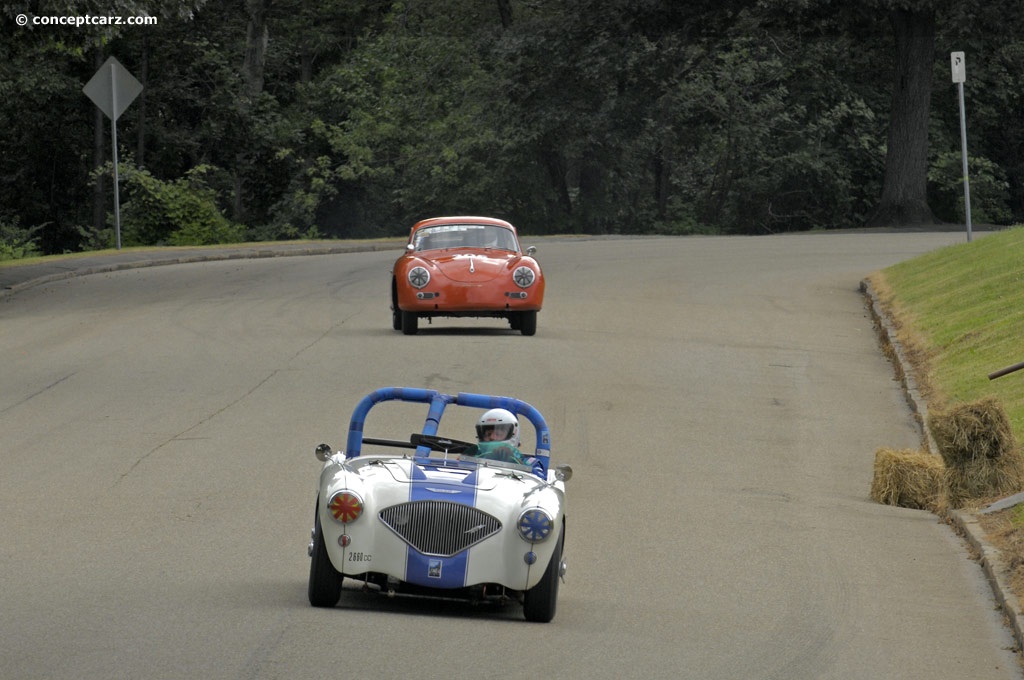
(17,242)
(989,190)
(179,212)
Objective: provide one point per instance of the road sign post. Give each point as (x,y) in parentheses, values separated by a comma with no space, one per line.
(958,65)
(113,89)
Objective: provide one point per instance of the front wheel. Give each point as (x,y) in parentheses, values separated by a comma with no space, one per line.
(396,313)
(410,323)
(324,580)
(539,601)
(528,323)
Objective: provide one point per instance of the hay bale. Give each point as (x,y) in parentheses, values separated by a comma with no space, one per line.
(984,479)
(908,479)
(982,457)
(968,432)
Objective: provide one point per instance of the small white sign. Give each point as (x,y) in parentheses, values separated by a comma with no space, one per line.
(959,66)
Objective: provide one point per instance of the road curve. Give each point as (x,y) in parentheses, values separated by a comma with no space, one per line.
(720,399)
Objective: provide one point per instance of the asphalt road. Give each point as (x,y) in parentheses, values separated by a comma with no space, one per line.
(720,399)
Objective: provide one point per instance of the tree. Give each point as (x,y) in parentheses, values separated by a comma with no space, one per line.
(904,200)
(353,117)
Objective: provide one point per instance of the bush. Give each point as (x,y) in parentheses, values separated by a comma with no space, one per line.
(990,193)
(179,212)
(17,242)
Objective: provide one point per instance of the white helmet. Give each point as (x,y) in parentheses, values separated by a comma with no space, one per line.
(503,422)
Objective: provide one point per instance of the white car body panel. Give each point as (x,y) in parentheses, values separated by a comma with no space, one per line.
(435,522)
(385,481)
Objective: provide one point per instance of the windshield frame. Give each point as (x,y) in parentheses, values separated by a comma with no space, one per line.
(464,235)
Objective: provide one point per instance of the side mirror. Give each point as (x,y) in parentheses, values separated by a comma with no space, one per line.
(323,452)
(410,247)
(563,473)
(531,250)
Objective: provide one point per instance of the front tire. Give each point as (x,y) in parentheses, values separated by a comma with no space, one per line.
(396,313)
(324,580)
(410,323)
(539,601)
(528,323)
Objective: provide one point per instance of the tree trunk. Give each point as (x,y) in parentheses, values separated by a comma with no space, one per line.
(662,172)
(555,164)
(256,40)
(99,188)
(904,199)
(592,202)
(505,12)
(140,146)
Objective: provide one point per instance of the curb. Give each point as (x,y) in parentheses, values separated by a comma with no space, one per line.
(887,336)
(966,524)
(995,570)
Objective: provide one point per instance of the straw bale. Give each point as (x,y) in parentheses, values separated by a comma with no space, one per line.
(985,478)
(968,433)
(981,454)
(909,479)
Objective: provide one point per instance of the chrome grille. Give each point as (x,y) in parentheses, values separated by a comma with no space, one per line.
(439,528)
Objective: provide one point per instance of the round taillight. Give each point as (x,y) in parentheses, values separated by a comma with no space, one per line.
(345,506)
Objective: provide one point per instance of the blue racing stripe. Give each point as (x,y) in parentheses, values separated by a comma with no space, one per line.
(438,572)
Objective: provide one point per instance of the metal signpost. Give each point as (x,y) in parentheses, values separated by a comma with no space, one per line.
(113,89)
(959,66)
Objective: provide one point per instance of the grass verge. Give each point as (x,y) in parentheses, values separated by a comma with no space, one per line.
(959,313)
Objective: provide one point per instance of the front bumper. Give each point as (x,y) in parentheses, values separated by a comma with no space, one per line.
(466,299)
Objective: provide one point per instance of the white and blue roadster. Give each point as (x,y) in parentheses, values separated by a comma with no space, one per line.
(434,521)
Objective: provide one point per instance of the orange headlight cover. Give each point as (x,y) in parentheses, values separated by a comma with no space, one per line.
(345,506)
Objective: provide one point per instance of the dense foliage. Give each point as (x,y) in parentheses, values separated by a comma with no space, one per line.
(264,119)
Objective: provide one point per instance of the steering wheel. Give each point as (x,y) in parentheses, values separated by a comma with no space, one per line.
(441,444)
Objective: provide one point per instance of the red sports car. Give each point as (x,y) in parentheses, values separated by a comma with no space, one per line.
(466,266)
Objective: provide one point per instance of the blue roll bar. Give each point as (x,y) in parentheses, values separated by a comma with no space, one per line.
(438,402)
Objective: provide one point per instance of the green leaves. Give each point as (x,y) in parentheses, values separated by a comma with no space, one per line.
(180,212)
(17,242)
(564,116)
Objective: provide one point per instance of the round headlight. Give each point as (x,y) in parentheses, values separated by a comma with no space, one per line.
(419,277)
(534,525)
(345,506)
(524,277)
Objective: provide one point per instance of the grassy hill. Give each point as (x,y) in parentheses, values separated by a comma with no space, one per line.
(959,313)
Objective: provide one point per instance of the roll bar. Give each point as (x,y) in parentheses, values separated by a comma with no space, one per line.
(438,402)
